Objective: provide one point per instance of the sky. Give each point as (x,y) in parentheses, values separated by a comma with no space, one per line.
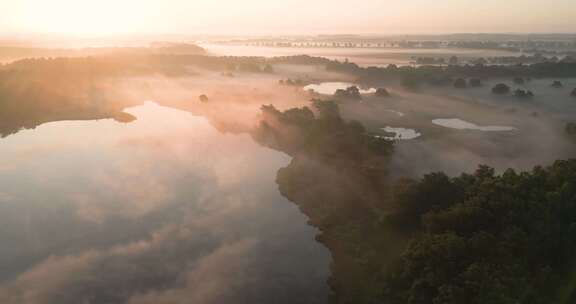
(110,17)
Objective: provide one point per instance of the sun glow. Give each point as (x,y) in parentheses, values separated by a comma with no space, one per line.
(109,17)
(83,17)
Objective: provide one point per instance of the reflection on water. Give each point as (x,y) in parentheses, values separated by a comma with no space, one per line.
(329,88)
(402,133)
(456,123)
(164,209)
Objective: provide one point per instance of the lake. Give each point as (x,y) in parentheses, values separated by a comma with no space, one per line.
(162,209)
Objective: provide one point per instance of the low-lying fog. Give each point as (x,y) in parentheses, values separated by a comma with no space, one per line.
(463,128)
(442,129)
(183,204)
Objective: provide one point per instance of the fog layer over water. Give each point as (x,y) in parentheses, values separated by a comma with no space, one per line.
(162,210)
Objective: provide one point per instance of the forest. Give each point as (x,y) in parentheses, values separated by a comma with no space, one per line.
(474,238)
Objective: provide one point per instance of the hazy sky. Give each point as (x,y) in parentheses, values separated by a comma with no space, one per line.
(287,17)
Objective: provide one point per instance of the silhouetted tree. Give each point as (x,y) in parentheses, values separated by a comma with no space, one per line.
(501,89)
(203,98)
(523,93)
(382,92)
(557,84)
(349,93)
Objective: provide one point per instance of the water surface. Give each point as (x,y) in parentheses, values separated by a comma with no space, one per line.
(164,209)
(401,133)
(459,124)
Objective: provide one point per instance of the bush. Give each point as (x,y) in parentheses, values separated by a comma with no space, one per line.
(382,92)
(501,89)
(523,93)
(350,93)
(203,98)
(557,84)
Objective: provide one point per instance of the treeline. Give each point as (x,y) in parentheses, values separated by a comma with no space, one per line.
(138,65)
(155,48)
(431,74)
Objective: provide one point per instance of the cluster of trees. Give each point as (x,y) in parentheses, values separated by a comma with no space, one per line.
(445,75)
(352,93)
(484,238)
(501,89)
(501,60)
(319,132)
(520,93)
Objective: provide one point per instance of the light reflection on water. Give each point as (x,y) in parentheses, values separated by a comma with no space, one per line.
(401,133)
(456,123)
(163,201)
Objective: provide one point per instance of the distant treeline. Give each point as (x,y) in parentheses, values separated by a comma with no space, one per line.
(155,48)
(175,65)
(426,74)
(139,65)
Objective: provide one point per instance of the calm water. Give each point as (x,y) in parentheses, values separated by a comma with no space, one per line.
(459,124)
(402,133)
(161,210)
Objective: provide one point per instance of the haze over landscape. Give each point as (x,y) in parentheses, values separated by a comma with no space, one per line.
(108,17)
(324,152)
